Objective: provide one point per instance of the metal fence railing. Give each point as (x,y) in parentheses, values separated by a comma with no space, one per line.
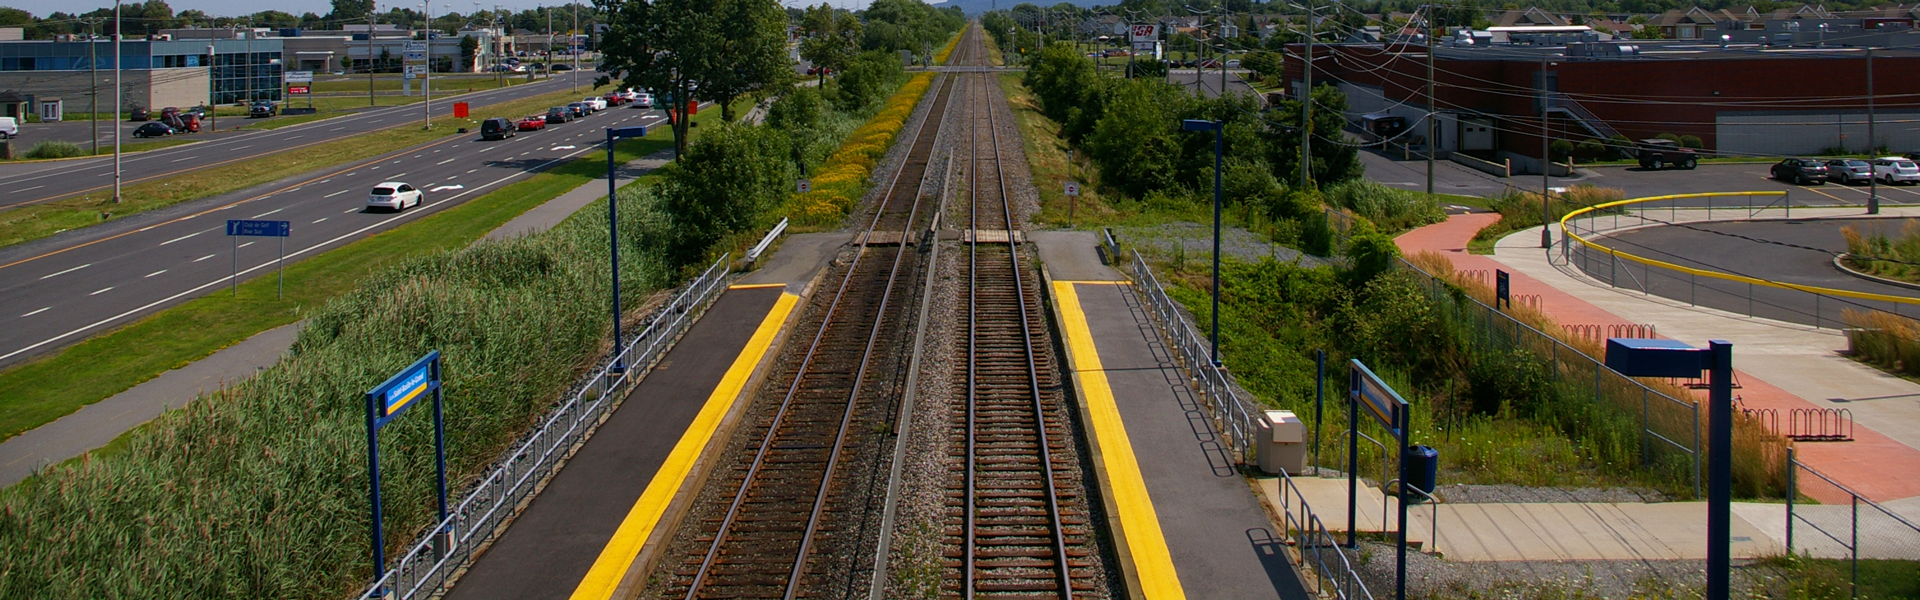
(1587,244)
(449,545)
(1233,416)
(1329,564)
(1670,427)
(1843,525)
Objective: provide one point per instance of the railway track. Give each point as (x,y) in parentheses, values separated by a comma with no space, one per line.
(1017,523)
(792,523)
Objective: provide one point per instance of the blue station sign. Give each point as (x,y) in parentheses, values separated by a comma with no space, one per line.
(1386,405)
(405,388)
(245,227)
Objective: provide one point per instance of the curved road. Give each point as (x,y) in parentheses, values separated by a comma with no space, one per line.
(52,295)
(1799,251)
(32,183)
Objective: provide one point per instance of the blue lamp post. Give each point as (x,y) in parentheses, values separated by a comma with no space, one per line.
(613,235)
(1219,150)
(1668,358)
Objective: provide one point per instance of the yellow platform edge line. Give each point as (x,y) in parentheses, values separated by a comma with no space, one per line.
(1147,544)
(754,286)
(1095,282)
(620,552)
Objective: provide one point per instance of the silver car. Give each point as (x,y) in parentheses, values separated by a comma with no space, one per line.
(1849,170)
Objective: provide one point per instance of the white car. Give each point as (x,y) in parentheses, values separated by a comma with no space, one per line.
(598,103)
(1895,169)
(643,100)
(394,195)
(9,128)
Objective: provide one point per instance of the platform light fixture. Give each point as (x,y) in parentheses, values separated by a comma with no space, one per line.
(613,233)
(1219,149)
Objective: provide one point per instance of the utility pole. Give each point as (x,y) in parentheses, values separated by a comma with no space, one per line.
(371,64)
(250,97)
(1306,109)
(1546,160)
(93,77)
(1432,108)
(1873,178)
(426,79)
(576,52)
(116,101)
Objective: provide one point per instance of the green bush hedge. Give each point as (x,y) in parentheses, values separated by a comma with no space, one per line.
(55,149)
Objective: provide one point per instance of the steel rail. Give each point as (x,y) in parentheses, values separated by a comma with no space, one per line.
(766,443)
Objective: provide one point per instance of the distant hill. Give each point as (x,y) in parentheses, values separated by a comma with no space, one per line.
(976,7)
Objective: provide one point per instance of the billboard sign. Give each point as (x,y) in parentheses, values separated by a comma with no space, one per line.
(412,55)
(399,393)
(299,76)
(416,46)
(1141,33)
(298,89)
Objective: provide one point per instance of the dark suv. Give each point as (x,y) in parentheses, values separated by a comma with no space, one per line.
(1659,154)
(1800,170)
(497,128)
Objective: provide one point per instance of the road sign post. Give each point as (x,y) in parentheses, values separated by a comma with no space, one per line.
(387,402)
(239,228)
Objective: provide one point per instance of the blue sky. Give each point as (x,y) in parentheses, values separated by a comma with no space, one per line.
(239,7)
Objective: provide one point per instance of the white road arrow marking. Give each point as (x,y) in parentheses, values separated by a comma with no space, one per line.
(563,147)
(448,187)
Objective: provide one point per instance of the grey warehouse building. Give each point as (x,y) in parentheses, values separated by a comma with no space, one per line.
(57,75)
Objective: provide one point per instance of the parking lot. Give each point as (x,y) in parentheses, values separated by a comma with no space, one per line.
(1452,178)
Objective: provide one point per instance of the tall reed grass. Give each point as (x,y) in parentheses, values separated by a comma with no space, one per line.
(1389,208)
(259,490)
(1521,209)
(1893,257)
(1886,340)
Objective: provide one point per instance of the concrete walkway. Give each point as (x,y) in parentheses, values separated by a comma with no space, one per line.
(97,424)
(1801,367)
(1597,531)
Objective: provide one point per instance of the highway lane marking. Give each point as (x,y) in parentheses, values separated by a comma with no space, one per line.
(185,236)
(101,291)
(66,271)
(155,273)
(446,161)
(448,187)
(246,146)
(558,148)
(335,194)
(29,189)
(470,171)
(266,213)
(375,168)
(335,129)
(526,153)
(318,222)
(618,555)
(223,280)
(37,312)
(245,245)
(293,137)
(183,159)
(351,210)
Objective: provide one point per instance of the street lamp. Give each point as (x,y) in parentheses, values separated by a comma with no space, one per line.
(118,97)
(1668,358)
(613,233)
(1219,148)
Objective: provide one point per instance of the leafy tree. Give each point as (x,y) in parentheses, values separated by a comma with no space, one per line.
(749,53)
(350,10)
(469,46)
(868,79)
(674,46)
(1133,141)
(832,38)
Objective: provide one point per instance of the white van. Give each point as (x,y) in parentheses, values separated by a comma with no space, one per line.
(9,128)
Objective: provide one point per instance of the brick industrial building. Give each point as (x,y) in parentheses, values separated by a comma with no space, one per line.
(1739,99)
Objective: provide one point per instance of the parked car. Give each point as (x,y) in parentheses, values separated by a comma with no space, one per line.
(643,100)
(1896,169)
(1233,63)
(262,108)
(532,123)
(1657,153)
(152,129)
(139,113)
(579,110)
(1800,170)
(394,195)
(496,128)
(191,121)
(1849,170)
(616,98)
(9,127)
(562,67)
(169,112)
(559,114)
(598,104)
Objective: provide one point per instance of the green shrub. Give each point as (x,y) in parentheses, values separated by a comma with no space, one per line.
(722,184)
(1668,137)
(55,149)
(1391,209)
(1589,149)
(1691,141)
(867,80)
(1560,148)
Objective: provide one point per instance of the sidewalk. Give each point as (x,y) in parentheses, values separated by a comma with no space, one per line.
(98,424)
(1802,367)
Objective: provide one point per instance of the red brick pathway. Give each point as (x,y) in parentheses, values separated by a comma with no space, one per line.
(1873,465)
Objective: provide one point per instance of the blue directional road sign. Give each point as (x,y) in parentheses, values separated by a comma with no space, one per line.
(244,227)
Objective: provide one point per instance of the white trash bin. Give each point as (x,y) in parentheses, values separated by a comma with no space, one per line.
(1281,445)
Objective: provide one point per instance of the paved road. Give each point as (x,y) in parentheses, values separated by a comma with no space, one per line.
(1453,178)
(1790,251)
(57,292)
(28,183)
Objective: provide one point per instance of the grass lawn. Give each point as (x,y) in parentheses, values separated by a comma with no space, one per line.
(41,220)
(40,391)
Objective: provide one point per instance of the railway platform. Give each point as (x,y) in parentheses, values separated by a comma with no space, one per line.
(1189,525)
(583,536)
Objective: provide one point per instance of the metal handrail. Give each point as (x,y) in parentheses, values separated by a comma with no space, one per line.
(1433,502)
(754,254)
(1230,413)
(1309,534)
(449,545)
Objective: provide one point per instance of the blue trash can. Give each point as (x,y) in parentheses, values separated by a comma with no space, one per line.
(1422,469)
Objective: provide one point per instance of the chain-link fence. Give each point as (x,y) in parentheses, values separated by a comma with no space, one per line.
(1826,520)
(449,545)
(1589,243)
